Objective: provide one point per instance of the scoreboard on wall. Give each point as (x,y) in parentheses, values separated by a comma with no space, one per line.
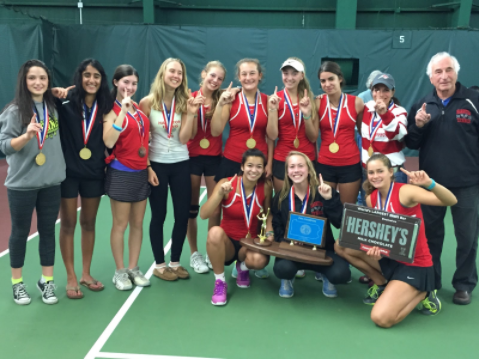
(363,227)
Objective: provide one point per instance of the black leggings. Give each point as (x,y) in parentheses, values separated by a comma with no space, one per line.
(177,176)
(337,273)
(47,203)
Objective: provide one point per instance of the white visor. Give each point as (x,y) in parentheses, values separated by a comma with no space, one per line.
(293,63)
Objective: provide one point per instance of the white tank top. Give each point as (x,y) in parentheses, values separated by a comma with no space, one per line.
(162,148)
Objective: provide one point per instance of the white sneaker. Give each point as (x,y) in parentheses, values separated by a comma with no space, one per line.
(207,261)
(198,264)
(121,280)
(300,274)
(48,292)
(136,277)
(20,294)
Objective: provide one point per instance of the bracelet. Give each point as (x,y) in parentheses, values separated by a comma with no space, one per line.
(433,184)
(272,109)
(118,128)
(269,233)
(149,165)
(306,118)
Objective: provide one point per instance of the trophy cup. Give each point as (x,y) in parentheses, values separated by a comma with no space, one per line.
(261,240)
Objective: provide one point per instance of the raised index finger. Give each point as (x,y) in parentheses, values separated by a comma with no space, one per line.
(305,92)
(320,179)
(233,178)
(33,120)
(405,171)
(275,90)
(230,86)
(424,107)
(70,87)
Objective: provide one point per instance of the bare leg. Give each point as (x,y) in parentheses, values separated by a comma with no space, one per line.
(254,260)
(395,303)
(68,216)
(219,249)
(88,215)
(136,222)
(349,191)
(120,215)
(192,224)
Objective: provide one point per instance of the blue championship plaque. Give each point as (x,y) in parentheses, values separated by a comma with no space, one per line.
(307,229)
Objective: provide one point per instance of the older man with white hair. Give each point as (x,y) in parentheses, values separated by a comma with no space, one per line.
(444,127)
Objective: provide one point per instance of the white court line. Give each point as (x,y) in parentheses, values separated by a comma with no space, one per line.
(110,355)
(5,252)
(95,350)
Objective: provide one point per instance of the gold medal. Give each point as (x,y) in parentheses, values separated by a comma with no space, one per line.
(40,159)
(85,153)
(334,147)
(370,151)
(142,151)
(251,143)
(204,143)
(248,235)
(296,143)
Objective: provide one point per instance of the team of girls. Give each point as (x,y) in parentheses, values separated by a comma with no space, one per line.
(399,287)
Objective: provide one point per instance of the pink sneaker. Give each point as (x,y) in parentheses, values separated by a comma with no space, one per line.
(220,293)
(243,280)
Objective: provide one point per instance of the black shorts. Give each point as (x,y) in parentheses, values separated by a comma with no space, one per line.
(278,169)
(339,174)
(237,247)
(204,165)
(421,278)
(227,168)
(126,186)
(73,187)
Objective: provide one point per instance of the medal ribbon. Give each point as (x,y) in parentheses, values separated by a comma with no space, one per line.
(335,127)
(292,201)
(42,135)
(248,208)
(139,122)
(295,121)
(203,121)
(388,199)
(374,127)
(252,117)
(169,117)
(89,122)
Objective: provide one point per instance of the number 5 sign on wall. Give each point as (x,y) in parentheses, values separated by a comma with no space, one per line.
(401,39)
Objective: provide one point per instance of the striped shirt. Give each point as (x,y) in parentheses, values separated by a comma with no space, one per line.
(388,137)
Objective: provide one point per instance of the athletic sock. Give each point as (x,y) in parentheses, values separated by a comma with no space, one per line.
(17,281)
(46,279)
(220,277)
(243,266)
(172,265)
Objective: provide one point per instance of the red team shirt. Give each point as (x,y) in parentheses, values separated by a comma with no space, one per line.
(126,149)
(239,133)
(388,138)
(215,146)
(422,256)
(348,153)
(233,218)
(287,132)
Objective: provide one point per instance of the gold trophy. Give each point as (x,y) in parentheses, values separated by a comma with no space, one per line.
(261,240)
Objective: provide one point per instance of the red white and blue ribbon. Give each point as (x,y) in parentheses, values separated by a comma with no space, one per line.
(42,135)
(203,121)
(296,120)
(248,208)
(89,121)
(388,199)
(252,117)
(374,126)
(335,126)
(169,117)
(292,201)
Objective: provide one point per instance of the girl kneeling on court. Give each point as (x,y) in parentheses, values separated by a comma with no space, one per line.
(398,286)
(126,132)
(36,167)
(242,198)
(303,194)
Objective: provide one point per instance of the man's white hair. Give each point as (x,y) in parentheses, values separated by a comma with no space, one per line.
(439,56)
(371,77)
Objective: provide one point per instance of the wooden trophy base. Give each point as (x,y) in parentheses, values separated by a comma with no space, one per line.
(290,252)
(264,243)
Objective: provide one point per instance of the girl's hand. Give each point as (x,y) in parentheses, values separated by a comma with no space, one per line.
(153,179)
(33,128)
(305,104)
(227,96)
(226,187)
(419,178)
(269,171)
(126,103)
(324,190)
(274,100)
(193,104)
(375,253)
(380,107)
(61,93)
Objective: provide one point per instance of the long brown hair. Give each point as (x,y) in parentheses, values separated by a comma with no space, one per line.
(367,186)
(216,94)
(311,178)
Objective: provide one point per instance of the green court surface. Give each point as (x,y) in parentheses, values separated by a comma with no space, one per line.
(177,318)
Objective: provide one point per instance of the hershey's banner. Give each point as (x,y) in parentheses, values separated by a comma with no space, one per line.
(363,227)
